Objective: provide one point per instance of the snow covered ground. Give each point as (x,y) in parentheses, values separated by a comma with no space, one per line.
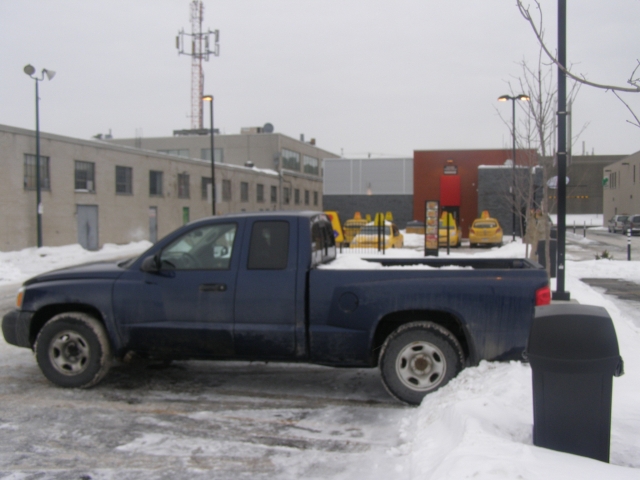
(478,426)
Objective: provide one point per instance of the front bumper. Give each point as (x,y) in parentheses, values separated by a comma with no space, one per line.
(15,328)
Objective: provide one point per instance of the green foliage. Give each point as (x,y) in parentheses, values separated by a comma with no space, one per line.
(605,254)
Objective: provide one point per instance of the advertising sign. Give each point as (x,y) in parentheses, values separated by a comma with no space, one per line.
(431,216)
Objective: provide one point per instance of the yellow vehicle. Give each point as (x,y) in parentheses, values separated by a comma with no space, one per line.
(352,227)
(335,223)
(485,231)
(368,236)
(455,237)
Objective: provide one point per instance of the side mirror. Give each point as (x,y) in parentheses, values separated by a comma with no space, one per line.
(150,264)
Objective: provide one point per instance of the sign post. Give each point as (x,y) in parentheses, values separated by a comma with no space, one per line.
(431,217)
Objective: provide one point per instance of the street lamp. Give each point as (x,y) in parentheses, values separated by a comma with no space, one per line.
(504,98)
(209,98)
(30,70)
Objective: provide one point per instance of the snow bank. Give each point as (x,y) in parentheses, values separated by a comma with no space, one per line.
(480,424)
(16,267)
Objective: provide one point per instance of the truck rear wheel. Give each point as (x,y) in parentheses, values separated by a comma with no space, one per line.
(417,359)
(73,350)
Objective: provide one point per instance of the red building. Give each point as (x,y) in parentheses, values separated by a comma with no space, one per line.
(451,177)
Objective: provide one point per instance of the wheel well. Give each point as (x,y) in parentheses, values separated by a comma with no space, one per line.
(391,322)
(43,315)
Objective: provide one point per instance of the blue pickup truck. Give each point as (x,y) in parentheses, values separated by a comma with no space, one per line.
(261,287)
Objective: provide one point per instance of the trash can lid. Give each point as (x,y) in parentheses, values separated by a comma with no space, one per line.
(572,332)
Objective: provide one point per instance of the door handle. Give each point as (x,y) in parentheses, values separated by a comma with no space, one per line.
(213,287)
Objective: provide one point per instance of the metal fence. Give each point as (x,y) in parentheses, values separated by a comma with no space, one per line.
(372,239)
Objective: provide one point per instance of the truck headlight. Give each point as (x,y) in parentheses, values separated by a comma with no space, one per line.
(20,297)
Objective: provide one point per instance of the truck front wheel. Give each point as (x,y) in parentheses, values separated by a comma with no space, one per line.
(73,350)
(417,359)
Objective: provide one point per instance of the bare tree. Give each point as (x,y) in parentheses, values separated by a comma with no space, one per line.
(537,26)
(535,136)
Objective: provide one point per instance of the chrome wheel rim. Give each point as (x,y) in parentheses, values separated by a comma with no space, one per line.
(421,366)
(69,353)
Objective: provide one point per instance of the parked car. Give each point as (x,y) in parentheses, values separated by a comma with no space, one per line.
(352,228)
(455,236)
(485,231)
(368,236)
(616,223)
(632,223)
(262,287)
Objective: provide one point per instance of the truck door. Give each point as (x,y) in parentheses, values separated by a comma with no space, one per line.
(186,308)
(265,305)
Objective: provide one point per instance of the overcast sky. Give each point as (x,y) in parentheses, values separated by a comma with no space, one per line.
(360,76)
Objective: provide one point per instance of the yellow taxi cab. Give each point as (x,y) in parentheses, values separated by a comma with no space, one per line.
(368,236)
(485,231)
(352,227)
(454,233)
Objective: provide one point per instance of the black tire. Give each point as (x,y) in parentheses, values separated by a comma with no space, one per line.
(417,359)
(73,350)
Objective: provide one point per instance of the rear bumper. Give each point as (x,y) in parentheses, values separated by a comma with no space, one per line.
(15,328)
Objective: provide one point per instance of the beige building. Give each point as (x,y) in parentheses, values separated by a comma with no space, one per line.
(622,187)
(95,192)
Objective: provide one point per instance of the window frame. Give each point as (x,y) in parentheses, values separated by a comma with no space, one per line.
(244,192)
(29,172)
(227,193)
(126,187)
(260,192)
(92,170)
(184,190)
(153,182)
(290,160)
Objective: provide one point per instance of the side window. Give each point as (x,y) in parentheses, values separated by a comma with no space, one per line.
(323,243)
(205,248)
(269,248)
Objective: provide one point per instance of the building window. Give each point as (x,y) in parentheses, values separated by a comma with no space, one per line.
(124,180)
(286,195)
(205,154)
(296,196)
(260,193)
(204,186)
(315,198)
(311,165)
(290,160)
(244,191)
(30,173)
(306,197)
(183,185)
(274,194)
(226,190)
(180,152)
(84,176)
(155,183)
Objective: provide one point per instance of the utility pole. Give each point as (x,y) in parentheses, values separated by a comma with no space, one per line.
(201,49)
(560,293)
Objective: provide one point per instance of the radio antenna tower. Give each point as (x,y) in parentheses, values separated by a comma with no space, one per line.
(200,50)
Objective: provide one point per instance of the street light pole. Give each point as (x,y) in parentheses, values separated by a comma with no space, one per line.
(209,98)
(560,293)
(30,70)
(504,98)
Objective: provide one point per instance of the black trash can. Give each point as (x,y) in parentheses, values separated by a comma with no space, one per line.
(573,351)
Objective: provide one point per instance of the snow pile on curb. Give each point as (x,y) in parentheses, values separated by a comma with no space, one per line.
(16,267)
